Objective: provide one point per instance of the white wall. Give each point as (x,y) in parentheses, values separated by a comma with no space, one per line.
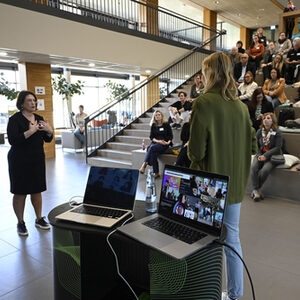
(29,31)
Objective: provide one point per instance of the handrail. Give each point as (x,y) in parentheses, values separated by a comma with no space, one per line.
(148,80)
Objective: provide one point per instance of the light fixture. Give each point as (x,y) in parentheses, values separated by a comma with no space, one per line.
(187,76)
(148,71)
(238,14)
(92,65)
(261,9)
(3,53)
(217,2)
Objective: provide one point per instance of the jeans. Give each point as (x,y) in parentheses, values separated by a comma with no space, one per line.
(153,151)
(275,102)
(234,266)
(260,170)
(79,135)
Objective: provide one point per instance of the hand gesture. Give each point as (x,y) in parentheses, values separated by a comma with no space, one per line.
(44,126)
(34,127)
(261,158)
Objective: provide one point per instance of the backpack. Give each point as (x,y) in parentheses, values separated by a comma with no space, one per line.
(284,115)
(293,123)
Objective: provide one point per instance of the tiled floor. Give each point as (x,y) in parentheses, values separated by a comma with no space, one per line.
(270,235)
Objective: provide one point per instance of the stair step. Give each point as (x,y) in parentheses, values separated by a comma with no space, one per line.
(137,140)
(123,146)
(109,162)
(145,120)
(141,126)
(137,132)
(115,154)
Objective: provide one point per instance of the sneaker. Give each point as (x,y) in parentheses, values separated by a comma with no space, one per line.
(42,224)
(255,195)
(174,125)
(22,230)
(178,126)
(226,297)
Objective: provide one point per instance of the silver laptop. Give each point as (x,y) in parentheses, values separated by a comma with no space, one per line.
(109,197)
(190,213)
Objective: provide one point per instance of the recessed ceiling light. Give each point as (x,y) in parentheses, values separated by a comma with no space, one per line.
(148,71)
(92,65)
(217,2)
(261,9)
(3,53)
(238,14)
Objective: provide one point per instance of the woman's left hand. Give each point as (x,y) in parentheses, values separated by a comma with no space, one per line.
(44,126)
(261,158)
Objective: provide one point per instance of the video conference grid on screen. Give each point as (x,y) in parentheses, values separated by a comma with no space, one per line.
(198,198)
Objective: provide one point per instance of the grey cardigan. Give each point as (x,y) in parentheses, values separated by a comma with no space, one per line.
(275,144)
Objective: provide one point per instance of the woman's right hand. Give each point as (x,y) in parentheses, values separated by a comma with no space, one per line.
(33,127)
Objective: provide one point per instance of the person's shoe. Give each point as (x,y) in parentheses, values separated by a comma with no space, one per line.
(42,224)
(178,126)
(22,230)
(255,195)
(226,297)
(174,125)
(156,175)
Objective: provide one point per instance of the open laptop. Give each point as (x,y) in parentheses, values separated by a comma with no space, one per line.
(190,213)
(109,197)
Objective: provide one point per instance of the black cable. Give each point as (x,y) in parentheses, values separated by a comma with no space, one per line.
(248,273)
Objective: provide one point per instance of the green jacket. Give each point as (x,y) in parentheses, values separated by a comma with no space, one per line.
(222,140)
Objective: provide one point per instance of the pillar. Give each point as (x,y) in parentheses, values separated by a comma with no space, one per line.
(209,19)
(245,37)
(148,16)
(39,75)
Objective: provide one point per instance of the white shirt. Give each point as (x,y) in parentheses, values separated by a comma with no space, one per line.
(247,90)
(241,79)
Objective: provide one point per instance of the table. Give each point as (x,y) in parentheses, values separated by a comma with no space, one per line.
(84,266)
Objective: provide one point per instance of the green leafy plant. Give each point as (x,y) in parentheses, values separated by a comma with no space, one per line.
(5,90)
(115,90)
(65,88)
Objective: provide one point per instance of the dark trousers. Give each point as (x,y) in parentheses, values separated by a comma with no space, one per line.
(289,75)
(266,70)
(289,27)
(257,61)
(153,151)
(259,172)
(182,158)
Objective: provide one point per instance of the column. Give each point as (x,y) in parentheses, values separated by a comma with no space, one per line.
(148,16)
(245,37)
(39,75)
(209,19)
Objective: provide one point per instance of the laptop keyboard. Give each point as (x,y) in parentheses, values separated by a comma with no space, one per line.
(175,230)
(99,211)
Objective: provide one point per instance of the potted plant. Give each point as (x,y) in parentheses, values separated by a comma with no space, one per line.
(67,89)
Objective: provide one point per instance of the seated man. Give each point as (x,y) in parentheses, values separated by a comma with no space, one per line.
(292,61)
(79,121)
(179,111)
(235,56)
(283,45)
(242,67)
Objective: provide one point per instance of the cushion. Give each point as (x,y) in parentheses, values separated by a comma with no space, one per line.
(100,123)
(290,130)
(290,160)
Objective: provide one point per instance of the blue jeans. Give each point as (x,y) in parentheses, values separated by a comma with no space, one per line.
(153,151)
(234,266)
(275,102)
(79,135)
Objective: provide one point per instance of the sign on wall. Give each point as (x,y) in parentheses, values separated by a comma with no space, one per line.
(41,104)
(39,90)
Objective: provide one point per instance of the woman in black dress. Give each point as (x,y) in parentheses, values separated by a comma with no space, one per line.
(26,133)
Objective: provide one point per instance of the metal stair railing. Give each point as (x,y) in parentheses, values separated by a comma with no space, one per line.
(110,120)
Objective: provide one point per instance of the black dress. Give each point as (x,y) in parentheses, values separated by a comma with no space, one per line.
(26,157)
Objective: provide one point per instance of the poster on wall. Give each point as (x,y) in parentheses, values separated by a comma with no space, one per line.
(41,104)
(39,90)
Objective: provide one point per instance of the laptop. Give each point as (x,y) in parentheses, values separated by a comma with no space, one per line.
(109,197)
(190,213)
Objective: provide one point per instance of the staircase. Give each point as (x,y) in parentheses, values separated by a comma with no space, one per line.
(121,152)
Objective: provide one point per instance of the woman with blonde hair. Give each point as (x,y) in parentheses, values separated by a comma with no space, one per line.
(269,139)
(161,138)
(277,63)
(225,147)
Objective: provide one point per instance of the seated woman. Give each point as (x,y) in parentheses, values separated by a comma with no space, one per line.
(269,139)
(196,88)
(247,88)
(276,63)
(179,111)
(161,136)
(274,88)
(258,106)
(182,158)
(256,51)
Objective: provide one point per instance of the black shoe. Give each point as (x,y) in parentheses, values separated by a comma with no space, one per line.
(42,224)
(174,125)
(22,230)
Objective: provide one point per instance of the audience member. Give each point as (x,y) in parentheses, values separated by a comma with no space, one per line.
(221,141)
(274,88)
(256,51)
(235,56)
(258,106)
(261,37)
(182,158)
(239,45)
(269,54)
(269,139)
(196,87)
(242,67)
(179,111)
(161,137)
(283,45)
(277,63)
(79,122)
(247,88)
(293,61)
(27,132)
(289,21)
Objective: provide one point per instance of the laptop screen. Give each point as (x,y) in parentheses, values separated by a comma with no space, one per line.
(111,187)
(193,197)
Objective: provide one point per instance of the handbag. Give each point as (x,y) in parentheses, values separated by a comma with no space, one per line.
(277,159)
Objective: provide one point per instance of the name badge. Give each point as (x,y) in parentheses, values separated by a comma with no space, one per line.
(161,129)
(298,53)
(257,48)
(273,133)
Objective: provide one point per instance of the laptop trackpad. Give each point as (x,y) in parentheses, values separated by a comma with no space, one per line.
(157,239)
